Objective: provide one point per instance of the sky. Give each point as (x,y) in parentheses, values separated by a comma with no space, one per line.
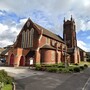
(47,13)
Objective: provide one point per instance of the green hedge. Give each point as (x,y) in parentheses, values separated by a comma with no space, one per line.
(60,68)
(76,69)
(52,69)
(5,78)
(85,66)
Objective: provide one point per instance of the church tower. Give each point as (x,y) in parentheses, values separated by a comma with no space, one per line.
(69,33)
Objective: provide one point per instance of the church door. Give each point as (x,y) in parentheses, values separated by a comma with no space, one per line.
(21,61)
(12,60)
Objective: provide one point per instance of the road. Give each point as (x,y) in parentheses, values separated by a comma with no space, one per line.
(27,79)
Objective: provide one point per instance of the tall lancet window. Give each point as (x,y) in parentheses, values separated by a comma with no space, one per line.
(24,35)
(31,37)
(27,37)
(23,39)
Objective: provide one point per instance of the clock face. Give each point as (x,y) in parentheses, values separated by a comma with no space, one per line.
(28,24)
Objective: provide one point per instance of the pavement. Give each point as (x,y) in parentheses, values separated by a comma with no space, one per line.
(27,79)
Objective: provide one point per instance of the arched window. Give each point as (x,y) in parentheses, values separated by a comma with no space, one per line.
(24,35)
(31,37)
(22,41)
(27,38)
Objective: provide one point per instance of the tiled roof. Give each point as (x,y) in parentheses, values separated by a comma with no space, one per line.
(47,47)
(5,51)
(50,34)
(1,50)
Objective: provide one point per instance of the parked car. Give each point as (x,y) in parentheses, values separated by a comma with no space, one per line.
(3,60)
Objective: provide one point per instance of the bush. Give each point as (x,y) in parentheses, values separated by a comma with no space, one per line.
(71,69)
(38,67)
(9,80)
(82,68)
(64,70)
(47,65)
(5,78)
(76,69)
(85,65)
(61,66)
(4,73)
(60,69)
(43,68)
(54,65)
(52,69)
(76,64)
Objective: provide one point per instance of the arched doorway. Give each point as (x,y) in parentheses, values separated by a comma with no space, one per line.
(11,60)
(21,61)
(30,54)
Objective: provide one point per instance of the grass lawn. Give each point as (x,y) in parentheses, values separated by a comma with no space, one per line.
(82,63)
(7,87)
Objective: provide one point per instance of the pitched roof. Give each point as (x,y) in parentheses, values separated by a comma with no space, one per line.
(50,34)
(1,50)
(5,51)
(47,47)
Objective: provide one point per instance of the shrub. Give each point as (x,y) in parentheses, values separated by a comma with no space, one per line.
(5,78)
(76,64)
(9,80)
(54,65)
(47,65)
(85,65)
(76,69)
(71,69)
(65,70)
(4,73)
(61,65)
(43,68)
(52,69)
(60,69)
(37,67)
(81,67)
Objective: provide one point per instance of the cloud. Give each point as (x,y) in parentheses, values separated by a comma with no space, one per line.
(3,28)
(51,10)
(83,45)
(8,33)
(47,13)
(27,5)
(4,43)
(88,37)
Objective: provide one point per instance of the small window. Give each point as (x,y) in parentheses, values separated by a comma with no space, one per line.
(28,24)
(48,41)
(53,43)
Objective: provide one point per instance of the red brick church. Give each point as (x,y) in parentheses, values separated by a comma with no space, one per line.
(37,45)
